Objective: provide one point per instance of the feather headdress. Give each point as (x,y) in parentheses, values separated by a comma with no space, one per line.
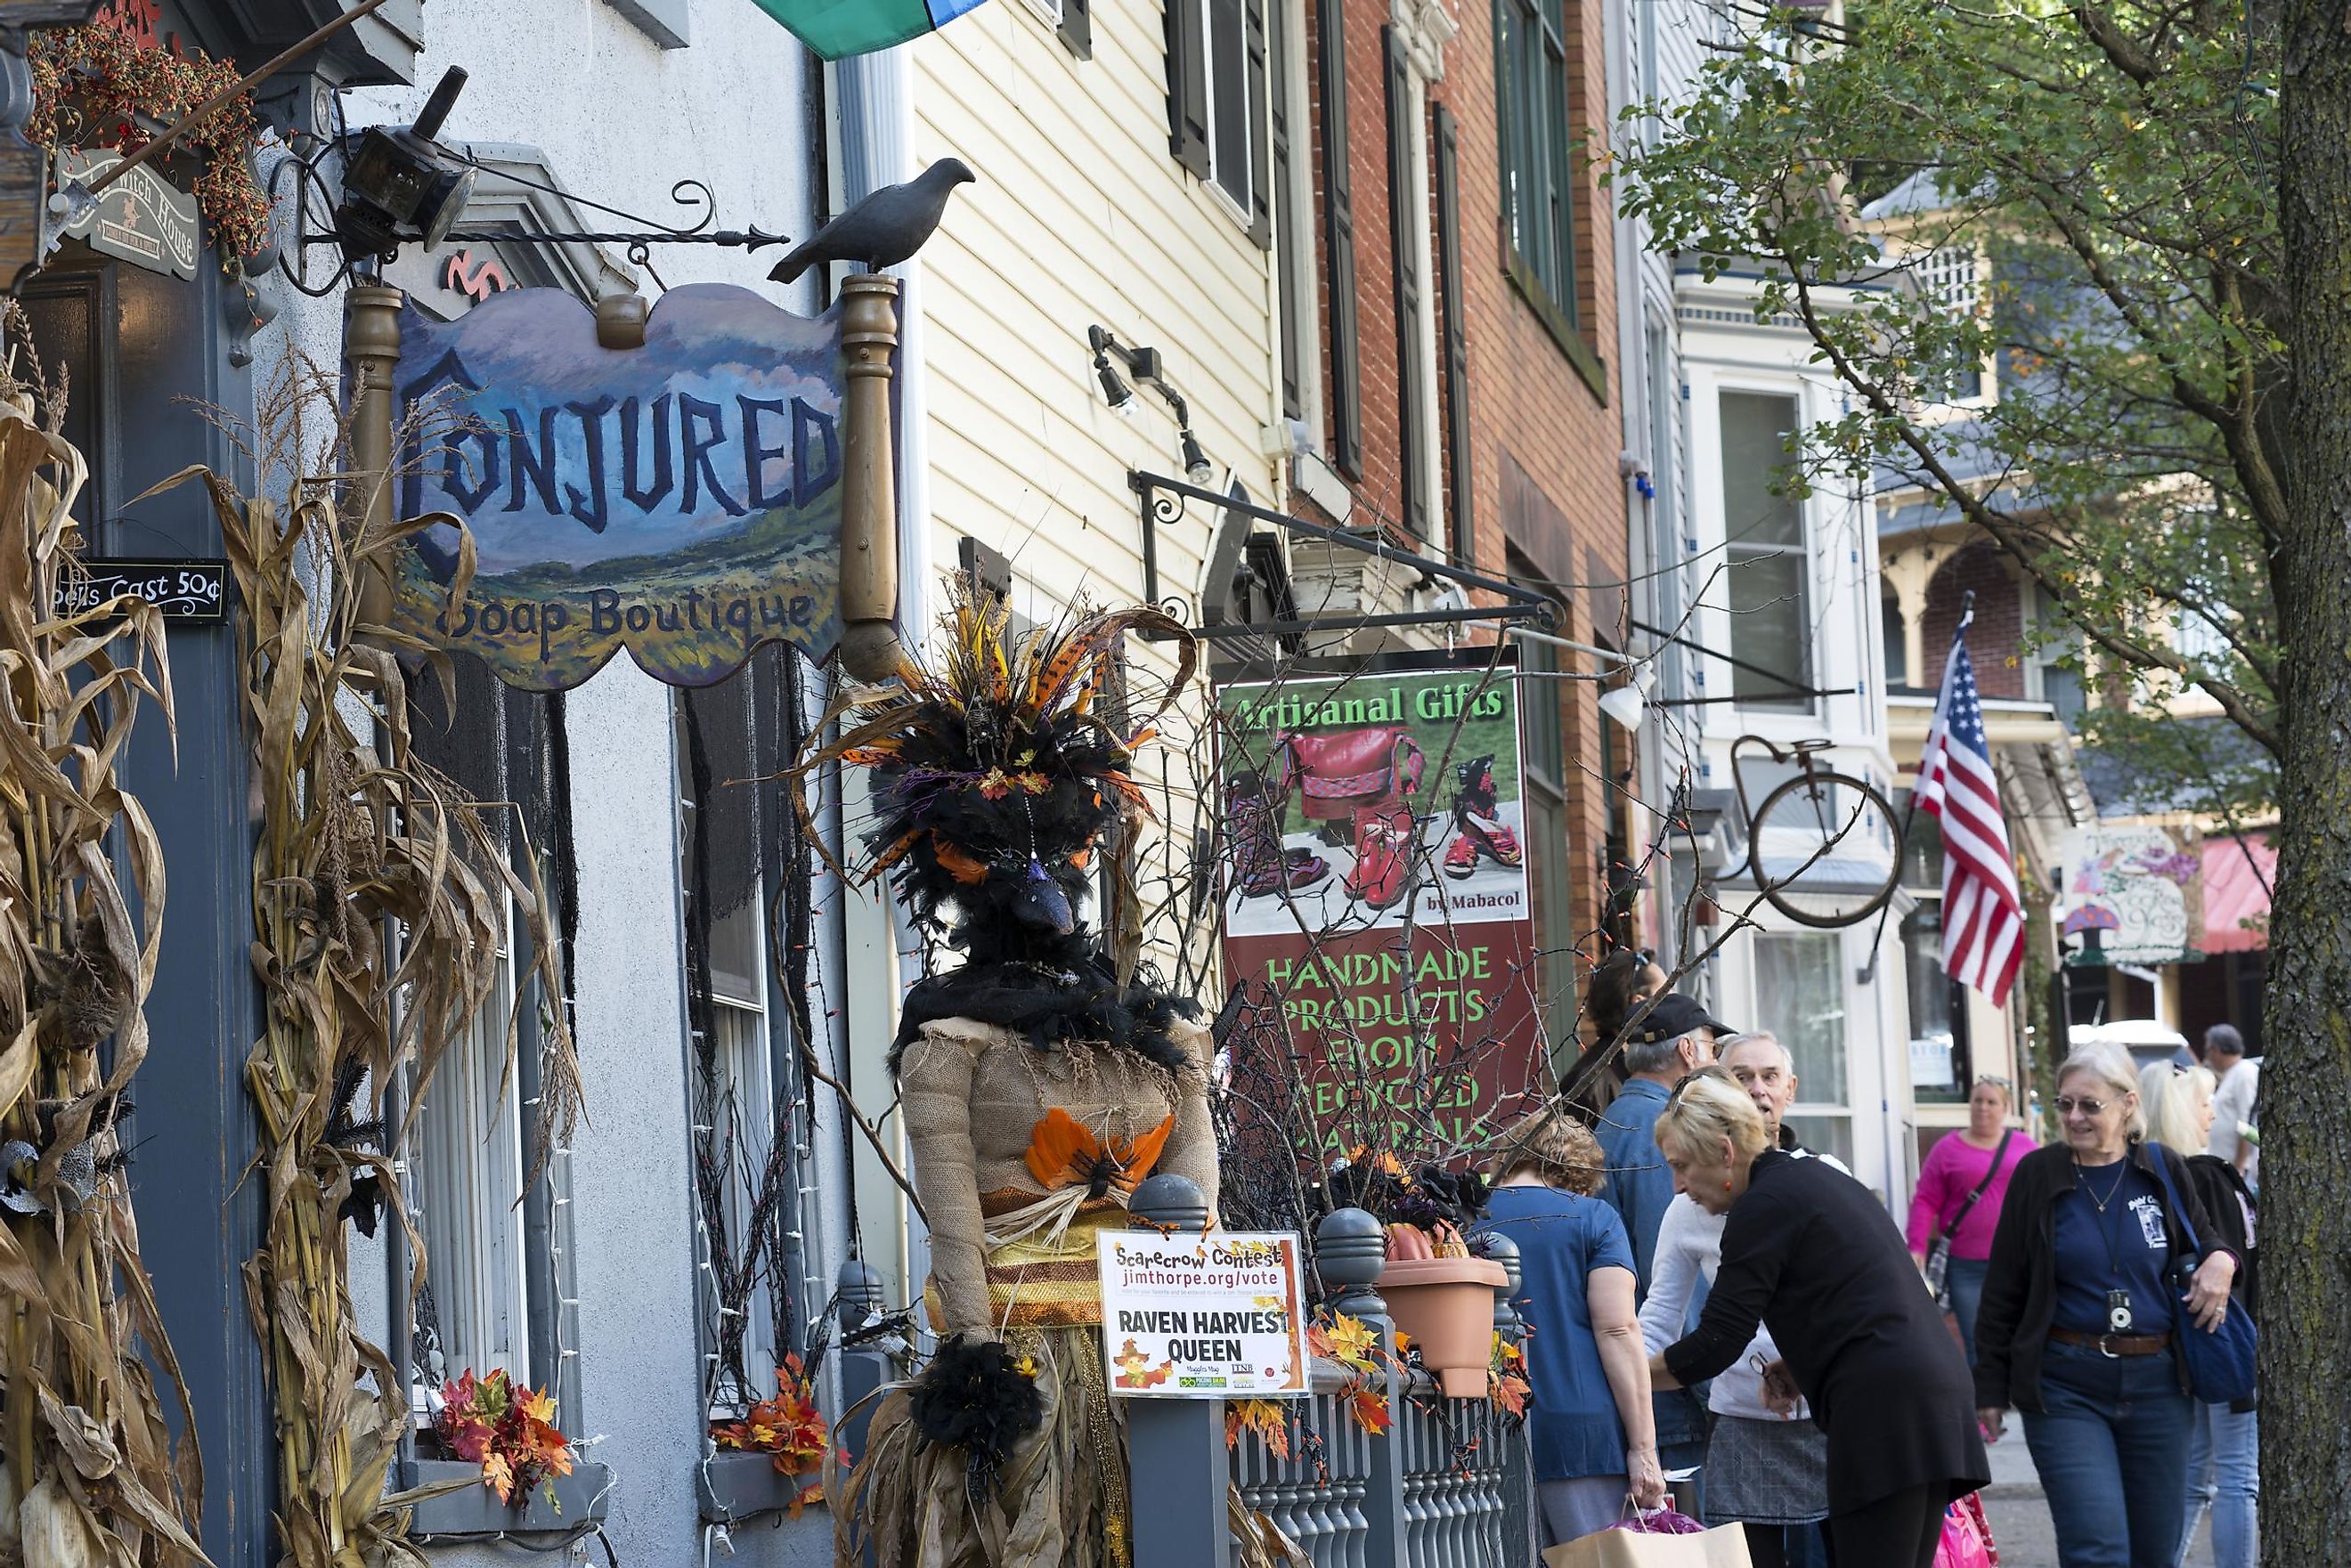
(996,772)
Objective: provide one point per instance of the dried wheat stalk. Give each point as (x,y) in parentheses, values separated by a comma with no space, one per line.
(378,895)
(92,1477)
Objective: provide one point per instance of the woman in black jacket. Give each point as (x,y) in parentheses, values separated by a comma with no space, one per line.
(1810,1255)
(2080,1314)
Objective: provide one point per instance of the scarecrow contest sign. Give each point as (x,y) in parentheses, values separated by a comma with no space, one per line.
(1376,885)
(1202,1316)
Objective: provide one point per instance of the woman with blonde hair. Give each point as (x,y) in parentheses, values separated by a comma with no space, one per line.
(2224,1474)
(2081,1317)
(1808,1253)
(1594,1442)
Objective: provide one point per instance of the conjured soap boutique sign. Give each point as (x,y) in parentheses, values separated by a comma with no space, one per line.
(682,499)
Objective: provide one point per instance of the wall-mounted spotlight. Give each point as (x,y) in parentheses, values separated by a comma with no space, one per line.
(400,185)
(1116,391)
(1196,461)
(1147,369)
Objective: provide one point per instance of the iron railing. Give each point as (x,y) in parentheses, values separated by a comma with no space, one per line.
(1447,1486)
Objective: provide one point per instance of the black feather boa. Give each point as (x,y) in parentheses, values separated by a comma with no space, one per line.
(973,1397)
(1077,999)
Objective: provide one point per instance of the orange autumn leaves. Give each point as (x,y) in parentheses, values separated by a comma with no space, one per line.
(1355,1345)
(789,1426)
(509,1431)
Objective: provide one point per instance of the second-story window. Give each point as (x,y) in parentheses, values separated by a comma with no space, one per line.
(1217,101)
(1537,166)
(1763,553)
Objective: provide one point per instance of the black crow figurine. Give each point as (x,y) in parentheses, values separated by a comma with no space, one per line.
(883,229)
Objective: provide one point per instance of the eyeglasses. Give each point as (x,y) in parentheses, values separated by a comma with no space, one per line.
(2067,1106)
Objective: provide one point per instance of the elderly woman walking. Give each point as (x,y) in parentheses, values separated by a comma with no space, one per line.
(1594,1444)
(1808,1253)
(2081,1316)
(2224,1473)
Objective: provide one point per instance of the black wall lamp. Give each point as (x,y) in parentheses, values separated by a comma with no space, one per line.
(399,185)
(1146,366)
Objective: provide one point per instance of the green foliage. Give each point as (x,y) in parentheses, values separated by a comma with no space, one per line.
(2112,173)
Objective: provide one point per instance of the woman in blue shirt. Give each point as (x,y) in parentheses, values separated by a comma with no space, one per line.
(2082,1320)
(1594,1444)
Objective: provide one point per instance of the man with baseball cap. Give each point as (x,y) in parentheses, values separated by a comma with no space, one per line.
(1663,1046)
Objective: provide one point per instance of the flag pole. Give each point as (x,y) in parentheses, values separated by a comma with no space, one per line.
(1909,813)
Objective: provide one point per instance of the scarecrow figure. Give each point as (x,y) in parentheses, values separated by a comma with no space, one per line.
(1039,1085)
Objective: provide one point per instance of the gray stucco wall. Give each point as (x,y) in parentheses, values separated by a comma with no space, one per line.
(620,120)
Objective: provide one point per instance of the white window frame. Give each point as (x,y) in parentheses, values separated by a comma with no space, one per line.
(1751,710)
(1954,274)
(1810,1108)
(748,1065)
(469,1170)
(1238,208)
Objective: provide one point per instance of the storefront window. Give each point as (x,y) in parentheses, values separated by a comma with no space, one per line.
(1799,997)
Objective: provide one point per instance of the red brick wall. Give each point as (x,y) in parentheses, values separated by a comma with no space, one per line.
(1994,637)
(1544,442)
(1380,486)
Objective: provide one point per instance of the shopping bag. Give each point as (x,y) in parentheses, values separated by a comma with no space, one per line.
(1725,1547)
(1965,1542)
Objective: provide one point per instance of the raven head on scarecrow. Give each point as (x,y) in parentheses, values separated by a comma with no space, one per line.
(999,769)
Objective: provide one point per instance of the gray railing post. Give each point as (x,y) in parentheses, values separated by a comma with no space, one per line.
(1511,1458)
(1350,1250)
(863,1367)
(1501,1248)
(1178,1443)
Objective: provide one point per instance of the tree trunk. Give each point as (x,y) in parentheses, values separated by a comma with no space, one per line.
(2306,1098)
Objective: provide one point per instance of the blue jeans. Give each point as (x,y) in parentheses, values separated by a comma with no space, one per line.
(1964,1279)
(2111,1444)
(2224,1474)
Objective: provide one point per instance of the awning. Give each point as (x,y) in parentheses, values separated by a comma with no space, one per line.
(2238,876)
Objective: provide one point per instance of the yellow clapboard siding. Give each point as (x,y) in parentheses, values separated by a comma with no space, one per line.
(1081,216)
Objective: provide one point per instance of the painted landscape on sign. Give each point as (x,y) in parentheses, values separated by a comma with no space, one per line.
(681,499)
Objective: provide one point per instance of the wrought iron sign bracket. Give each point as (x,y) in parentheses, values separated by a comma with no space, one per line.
(1162,501)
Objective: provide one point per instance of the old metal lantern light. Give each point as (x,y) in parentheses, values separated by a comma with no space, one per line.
(400,185)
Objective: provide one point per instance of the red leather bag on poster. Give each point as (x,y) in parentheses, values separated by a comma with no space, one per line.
(1345,770)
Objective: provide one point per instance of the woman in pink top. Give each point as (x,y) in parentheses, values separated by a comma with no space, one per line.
(1955,1168)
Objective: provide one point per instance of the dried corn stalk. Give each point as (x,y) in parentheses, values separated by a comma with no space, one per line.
(378,895)
(92,1477)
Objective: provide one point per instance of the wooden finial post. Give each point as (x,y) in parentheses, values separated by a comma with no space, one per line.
(868,502)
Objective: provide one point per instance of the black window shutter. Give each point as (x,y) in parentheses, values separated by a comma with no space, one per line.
(1404,217)
(1295,343)
(1453,346)
(1187,86)
(1339,242)
(1077,29)
(1254,47)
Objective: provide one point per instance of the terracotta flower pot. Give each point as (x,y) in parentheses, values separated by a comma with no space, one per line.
(1447,1305)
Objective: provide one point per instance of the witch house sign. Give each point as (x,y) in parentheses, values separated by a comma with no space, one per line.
(686,499)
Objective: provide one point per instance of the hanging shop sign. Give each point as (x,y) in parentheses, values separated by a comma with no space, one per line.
(1203,1317)
(142,218)
(2132,896)
(1375,883)
(181,589)
(683,499)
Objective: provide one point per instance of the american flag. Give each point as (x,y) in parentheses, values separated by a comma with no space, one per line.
(1983,915)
